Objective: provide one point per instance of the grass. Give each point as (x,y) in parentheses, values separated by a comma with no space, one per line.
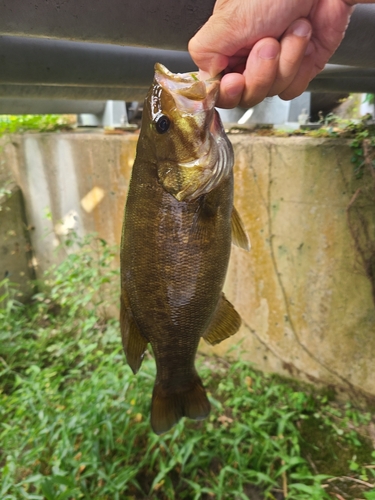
(74,419)
(10,124)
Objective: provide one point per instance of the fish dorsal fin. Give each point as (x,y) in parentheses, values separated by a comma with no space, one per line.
(132,340)
(239,235)
(225,323)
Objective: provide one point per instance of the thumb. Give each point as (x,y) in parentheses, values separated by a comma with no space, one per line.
(208,50)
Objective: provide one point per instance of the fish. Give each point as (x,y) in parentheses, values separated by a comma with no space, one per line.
(179,223)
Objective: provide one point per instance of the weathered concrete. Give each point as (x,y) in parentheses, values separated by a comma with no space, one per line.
(71,181)
(304,298)
(15,248)
(302,292)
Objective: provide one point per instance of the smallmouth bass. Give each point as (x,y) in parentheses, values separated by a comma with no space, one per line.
(178,227)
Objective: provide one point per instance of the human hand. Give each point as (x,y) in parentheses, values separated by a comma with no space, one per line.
(268,48)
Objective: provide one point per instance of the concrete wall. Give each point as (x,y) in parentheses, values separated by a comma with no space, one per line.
(15,248)
(302,292)
(305,300)
(71,181)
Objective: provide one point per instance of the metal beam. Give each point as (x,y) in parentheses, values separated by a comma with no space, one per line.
(166,24)
(335,70)
(346,85)
(357,48)
(72,92)
(343,78)
(48,106)
(58,62)
(47,68)
(21,94)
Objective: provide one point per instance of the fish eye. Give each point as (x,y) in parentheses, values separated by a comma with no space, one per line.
(162,124)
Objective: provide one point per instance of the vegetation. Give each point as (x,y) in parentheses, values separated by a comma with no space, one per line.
(360,132)
(10,124)
(74,420)
(370,98)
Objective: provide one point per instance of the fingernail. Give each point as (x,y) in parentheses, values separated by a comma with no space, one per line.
(203,75)
(268,51)
(301,28)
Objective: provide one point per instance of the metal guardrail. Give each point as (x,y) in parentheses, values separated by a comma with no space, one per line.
(165,24)
(59,62)
(85,50)
(69,93)
(336,77)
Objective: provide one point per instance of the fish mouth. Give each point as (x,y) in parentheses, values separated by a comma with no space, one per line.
(191,94)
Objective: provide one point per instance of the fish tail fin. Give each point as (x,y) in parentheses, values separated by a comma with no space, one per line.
(168,409)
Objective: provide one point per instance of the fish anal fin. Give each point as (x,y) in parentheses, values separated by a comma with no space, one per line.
(225,323)
(239,235)
(133,342)
(168,408)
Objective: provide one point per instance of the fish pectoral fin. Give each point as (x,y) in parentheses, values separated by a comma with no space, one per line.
(132,340)
(225,323)
(239,235)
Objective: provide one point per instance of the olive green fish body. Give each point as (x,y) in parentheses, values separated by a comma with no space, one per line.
(175,250)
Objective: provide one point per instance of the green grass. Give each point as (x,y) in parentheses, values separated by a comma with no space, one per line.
(74,419)
(10,124)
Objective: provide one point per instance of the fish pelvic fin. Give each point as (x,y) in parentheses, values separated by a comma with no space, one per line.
(132,340)
(239,235)
(168,409)
(225,322)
